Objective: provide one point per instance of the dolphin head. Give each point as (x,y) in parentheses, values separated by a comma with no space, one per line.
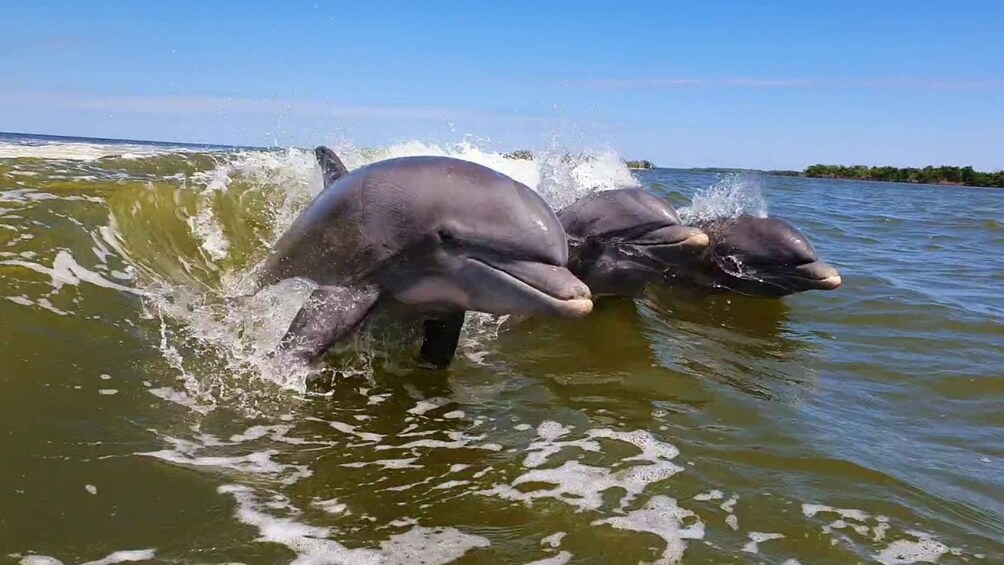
(768,257)
(467,237)
(622,238)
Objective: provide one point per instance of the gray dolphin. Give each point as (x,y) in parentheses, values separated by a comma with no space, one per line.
(620,240)
(437,235)
(756,256)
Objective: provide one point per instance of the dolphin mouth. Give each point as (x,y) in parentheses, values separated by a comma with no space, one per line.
(783,280)
(666,247)
(682,238)
(817,275)
(555,288)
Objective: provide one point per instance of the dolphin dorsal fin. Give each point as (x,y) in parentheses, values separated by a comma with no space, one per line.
(331,166)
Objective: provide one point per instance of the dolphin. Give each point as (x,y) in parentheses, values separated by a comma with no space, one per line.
(620,240)
(766,257)
(435,235)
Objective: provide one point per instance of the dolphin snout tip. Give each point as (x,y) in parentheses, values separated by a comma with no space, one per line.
(576,300)
(571,288)
(829,277)
(831,283)
(822,276)
(697,242)
(577,307)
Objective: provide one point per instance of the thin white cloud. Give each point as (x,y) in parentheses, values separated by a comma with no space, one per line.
(197,104)
(684,82)
(743,82)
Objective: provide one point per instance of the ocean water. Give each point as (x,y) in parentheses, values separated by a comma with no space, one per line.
(142,420)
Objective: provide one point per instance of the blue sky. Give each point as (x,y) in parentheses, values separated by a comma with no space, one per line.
(768,84)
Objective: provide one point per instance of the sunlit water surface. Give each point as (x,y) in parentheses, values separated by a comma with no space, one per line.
(141,418)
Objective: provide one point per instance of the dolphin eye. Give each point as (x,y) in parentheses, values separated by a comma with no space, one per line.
(446,236)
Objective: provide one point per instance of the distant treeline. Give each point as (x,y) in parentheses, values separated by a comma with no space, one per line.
(927,175)
(640,164)
(524,154)
(527,155)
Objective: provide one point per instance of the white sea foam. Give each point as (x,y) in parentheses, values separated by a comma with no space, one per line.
(428,404)
(429,545)
(553,540)
(331,505)
(405,463)
(124,556)
(663,517)
(457,440)
(810,510)
(582,486)
(350,429)
(450,484)
(314,544)
(186,453)
(710,495)
(255,463)
(39,560)
(729,506)
(924,549)
(756,538)
(560,559)
(861,522)
(75,151)
(181,399)
(66,271)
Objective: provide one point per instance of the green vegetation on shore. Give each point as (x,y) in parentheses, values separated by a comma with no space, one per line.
(524,154)
(927,175)
(527,155)
(640,164)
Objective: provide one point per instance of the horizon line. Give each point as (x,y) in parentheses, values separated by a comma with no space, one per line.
(291,146)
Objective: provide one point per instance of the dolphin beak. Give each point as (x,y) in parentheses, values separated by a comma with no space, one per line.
(818,275)
(528,287)
(684,239)
(668,246)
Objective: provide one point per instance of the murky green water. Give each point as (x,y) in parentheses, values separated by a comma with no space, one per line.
(138,411)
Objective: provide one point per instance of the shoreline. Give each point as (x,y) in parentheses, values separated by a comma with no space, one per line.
(988,179)
(997,176)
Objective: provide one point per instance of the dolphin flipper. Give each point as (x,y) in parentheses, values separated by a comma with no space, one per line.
(332,167)
(440,338)
(330,315)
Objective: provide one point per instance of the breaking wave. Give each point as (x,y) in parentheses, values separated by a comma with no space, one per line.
(733,195)
(185,229)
